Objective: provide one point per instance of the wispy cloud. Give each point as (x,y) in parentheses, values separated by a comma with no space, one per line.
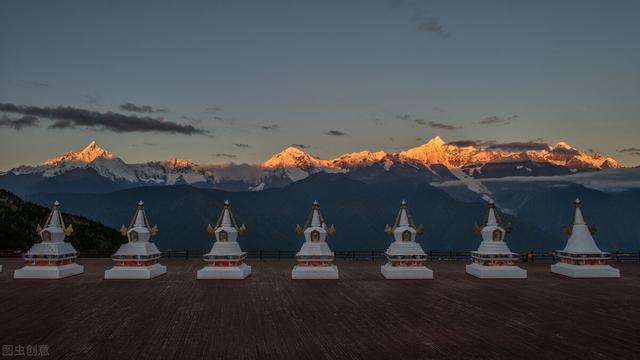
(335,133)
(498,120)
(212,110)
(301,146)
(443,126)
(474,143)
(39,84)
(403,117)
(422,16)
(631,151)
(270,127)
(127,106)
(224,155)
(520,146)
(241,145)
(19,123)
(67,117)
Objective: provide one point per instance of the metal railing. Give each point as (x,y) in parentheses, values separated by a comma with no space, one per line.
(355,255)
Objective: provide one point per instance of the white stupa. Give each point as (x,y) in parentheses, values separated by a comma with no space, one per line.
(138,258)
(494,259)
(226,259)
(405,257)
(315,259)
(582,258)
(52,257)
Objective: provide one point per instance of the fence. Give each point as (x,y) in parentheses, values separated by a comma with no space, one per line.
(355,255)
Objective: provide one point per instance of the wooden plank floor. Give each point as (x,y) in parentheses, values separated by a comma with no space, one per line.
(360,316)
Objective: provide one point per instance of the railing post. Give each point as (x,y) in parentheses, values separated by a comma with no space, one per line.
(169,254)
(353,254)
(430,255)
(278,254)
(450,254)
(373,255)
(186,253)
(260,254)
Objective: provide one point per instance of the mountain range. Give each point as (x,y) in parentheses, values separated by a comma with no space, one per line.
(95,169)
(446,186)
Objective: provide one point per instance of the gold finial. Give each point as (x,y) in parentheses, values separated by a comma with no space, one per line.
(388,230)
(69,230)
(299,230)
(39,229)
(420,230)
(568,229)
(477,229)
(210,230)
(154,230)
(593,229)
(331,230)
(123,230)
(242,229)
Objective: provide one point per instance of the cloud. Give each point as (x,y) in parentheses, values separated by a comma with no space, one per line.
(270,127)
(141,109)
(465,143)
(40,84)
(301,146)
(422,16)
(474,143)
(630,150)
(19,123)
(420,121)
(241,145)
(223,155)
(403,117)
(432,25)
(498,120)
(67,117)
(212,110)
(443,126)
(335,133)
(520,146)
(149,144)
(438,109)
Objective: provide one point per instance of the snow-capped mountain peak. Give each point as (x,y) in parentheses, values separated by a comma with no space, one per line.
(90,153)
(563,145)
(433,152)
(292,157)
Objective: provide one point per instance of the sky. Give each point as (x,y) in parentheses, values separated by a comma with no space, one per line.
(220,81)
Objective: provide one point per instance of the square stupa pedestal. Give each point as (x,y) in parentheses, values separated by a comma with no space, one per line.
(496,272)
(314,272)
(224,272)
(406,272)
(135,272)
(585,271)
(48,272)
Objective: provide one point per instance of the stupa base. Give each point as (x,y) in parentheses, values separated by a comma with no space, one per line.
(48,272)
(406,272)
(314,272)
(496,272)
(585,271)
(135,272)
(224,272)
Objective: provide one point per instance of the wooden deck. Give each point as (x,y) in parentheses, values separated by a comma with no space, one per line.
(360,316)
